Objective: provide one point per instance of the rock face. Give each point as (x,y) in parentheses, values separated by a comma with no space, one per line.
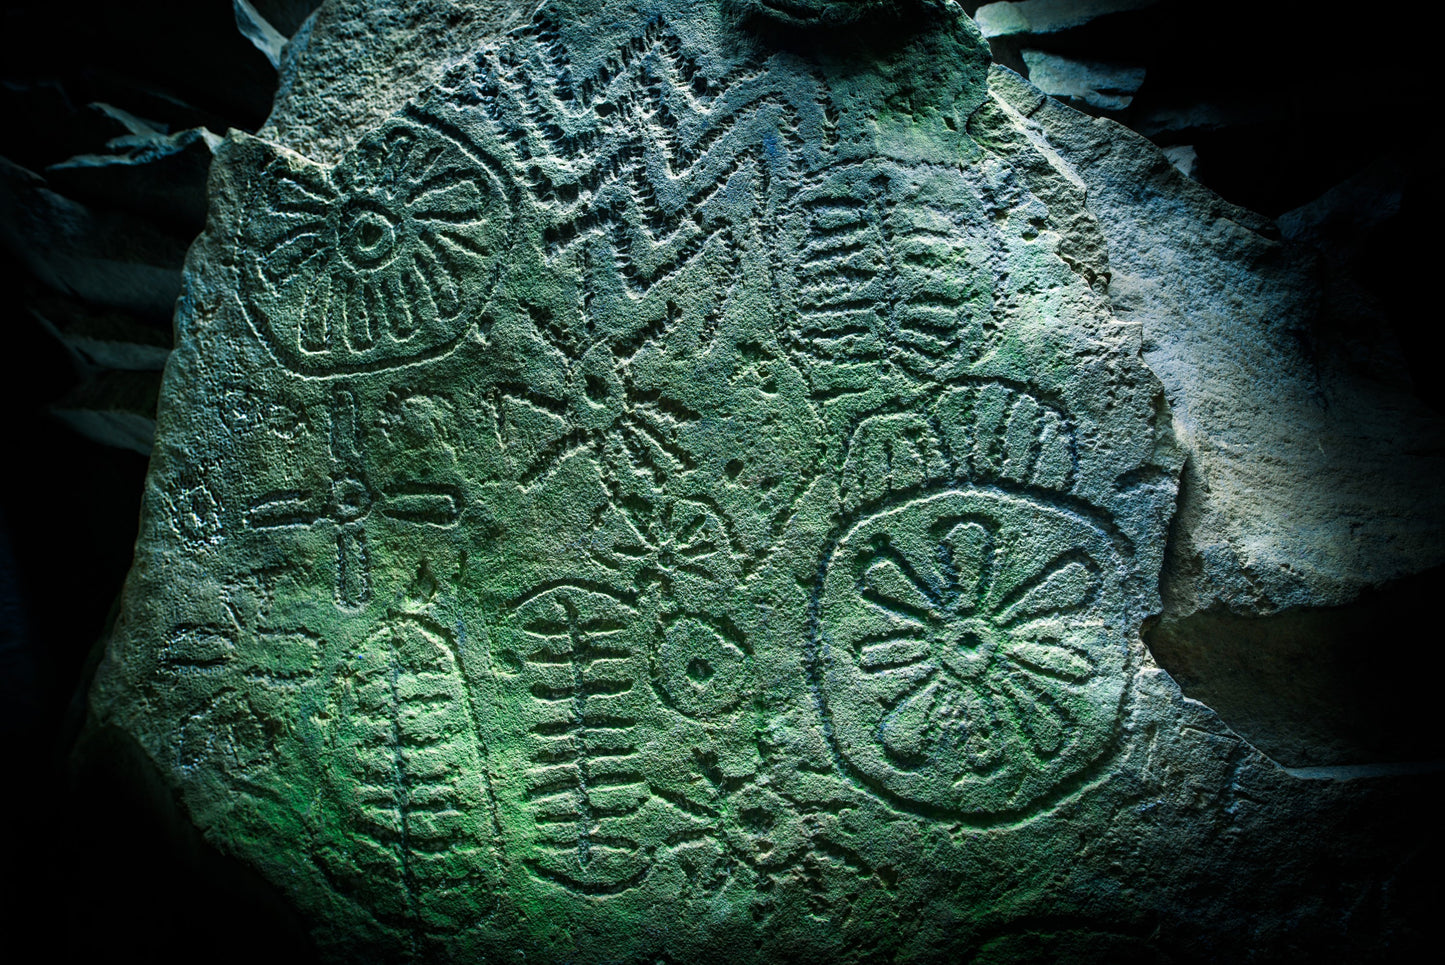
(1312,465)
(677,488)
(1314,468)
(1046,16)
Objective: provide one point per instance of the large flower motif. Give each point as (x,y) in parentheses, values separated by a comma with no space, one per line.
(379,260)
(969,649)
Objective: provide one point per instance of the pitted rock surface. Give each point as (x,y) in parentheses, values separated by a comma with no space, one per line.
(673,490)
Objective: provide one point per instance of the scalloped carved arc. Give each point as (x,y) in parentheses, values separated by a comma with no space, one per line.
(981,431)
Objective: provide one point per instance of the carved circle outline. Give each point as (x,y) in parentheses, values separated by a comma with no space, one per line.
(360,197)
(820,653)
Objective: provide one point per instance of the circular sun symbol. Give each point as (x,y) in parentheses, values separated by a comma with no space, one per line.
(969,650)
(381,260)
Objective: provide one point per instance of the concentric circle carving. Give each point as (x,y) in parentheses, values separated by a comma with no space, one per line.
(702,674)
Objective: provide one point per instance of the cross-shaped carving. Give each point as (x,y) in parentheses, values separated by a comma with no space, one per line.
(350,501)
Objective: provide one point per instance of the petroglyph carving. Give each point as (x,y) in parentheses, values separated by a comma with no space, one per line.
(625,428)
(967,646)
(585,787)
(706,534)
(893,268)
(235,686)
(379,261)
(193,502)
(246,410)
(350,502)
(986,432)
(702,673)
(407,761)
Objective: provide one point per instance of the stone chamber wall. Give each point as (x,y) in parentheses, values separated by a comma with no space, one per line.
(1279,254)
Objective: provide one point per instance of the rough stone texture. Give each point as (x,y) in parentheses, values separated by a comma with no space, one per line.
(1047,16)
(1108,87)
(353,62)
(683,483)
(1313,467)
(1313,471)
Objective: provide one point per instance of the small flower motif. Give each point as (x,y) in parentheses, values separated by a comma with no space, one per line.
(195,512)
(378,260)
(672,543)
(763,828)
(968,651)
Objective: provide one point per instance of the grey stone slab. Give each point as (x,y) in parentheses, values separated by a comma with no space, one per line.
(1043,17)
(1107,87)
(1313,465)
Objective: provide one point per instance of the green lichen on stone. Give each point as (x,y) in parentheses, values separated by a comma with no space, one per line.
(662,493)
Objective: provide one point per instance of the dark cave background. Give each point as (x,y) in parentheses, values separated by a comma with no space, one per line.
(1279,102)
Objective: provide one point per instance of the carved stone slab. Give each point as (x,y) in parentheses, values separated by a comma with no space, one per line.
(667,488)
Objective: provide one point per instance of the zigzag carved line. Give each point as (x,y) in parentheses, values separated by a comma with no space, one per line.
(621,154)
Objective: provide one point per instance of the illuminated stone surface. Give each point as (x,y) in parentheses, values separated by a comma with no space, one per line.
(675,489)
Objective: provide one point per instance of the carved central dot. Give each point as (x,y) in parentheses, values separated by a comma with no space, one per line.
(351,497)
(368,238)
(370,234)
(965,650)
(699,670)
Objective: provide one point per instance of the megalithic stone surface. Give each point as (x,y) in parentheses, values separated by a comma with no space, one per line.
(673,491)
